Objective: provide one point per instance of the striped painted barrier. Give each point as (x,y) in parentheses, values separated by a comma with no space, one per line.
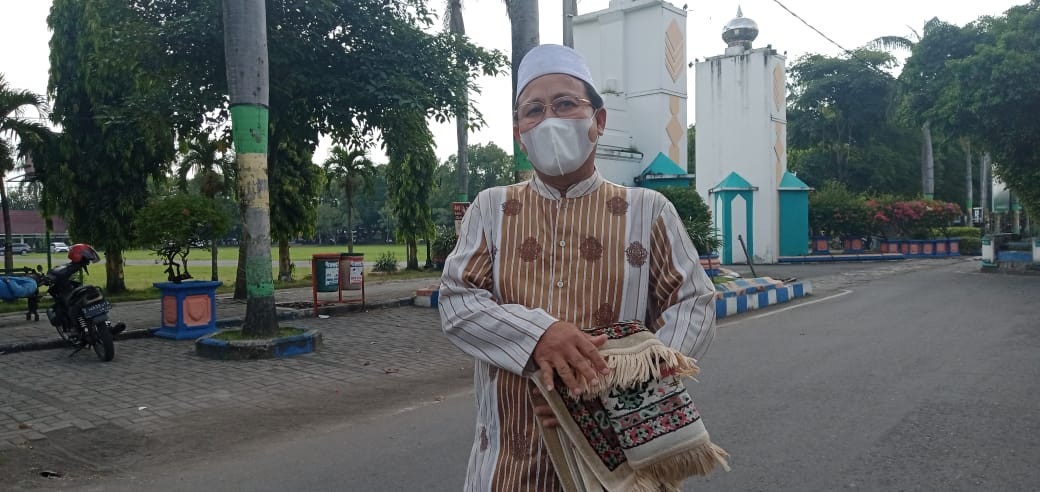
(730,306)
(427,297)
(743,286)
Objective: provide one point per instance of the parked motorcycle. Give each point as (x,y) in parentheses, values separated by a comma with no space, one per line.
(80,311)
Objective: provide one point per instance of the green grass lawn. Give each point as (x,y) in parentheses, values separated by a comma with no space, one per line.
(139,278)
(298,252)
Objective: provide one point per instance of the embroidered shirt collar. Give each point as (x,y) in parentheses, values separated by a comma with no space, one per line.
(581,188)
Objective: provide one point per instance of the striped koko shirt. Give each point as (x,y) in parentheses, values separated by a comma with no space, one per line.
(528,256)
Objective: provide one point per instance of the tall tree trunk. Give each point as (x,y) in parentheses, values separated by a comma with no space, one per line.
(429,256)
(966,145)
(927,162)
(458,27)
(245,48)
(114,281)
(349,192)
(8,240)
(523,21)
(214,276)
(570,11)
(984,190)
(462,135)
(413,254)
(285,266)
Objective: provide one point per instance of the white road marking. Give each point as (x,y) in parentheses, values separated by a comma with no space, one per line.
(844,292)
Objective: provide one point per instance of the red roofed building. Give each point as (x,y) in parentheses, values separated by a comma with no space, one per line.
(27,226)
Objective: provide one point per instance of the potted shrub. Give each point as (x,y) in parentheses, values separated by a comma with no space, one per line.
(696,217)
(706,240)
(443,243)
(171,226)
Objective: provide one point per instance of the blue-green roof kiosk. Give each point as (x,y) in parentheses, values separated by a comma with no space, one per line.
(733,202)
(663,172)
(794,216)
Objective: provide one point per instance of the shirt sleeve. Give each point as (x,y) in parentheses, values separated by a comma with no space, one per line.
(503,335)
(682,297)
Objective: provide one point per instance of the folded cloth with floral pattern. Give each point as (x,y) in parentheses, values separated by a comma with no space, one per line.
(638,429)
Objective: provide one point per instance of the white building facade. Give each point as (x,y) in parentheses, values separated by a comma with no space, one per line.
(636,50)
(742,128)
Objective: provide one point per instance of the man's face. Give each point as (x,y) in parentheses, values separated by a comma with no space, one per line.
(548,88)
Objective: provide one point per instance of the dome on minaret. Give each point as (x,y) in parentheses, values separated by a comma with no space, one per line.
(740,31)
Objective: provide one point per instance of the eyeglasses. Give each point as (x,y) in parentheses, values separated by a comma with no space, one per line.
(569,107)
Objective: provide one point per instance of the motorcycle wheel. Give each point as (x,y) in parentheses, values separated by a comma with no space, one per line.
(103,346)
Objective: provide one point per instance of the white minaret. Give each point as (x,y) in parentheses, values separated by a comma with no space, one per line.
(741,141)
(636,51)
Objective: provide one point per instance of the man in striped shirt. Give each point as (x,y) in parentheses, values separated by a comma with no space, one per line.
(539,260)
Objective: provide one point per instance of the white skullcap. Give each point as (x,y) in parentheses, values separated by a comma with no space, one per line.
(551,58)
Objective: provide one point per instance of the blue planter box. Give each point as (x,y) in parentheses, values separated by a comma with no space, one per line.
(710,263)
(188,309)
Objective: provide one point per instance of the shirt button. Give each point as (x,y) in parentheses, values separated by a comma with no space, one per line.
(563,243)
(559,284)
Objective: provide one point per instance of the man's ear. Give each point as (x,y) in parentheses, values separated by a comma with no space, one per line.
(601,121)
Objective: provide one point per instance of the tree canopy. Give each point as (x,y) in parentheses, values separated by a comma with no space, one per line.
(114,142)
(132,79)
(993,97)
(974,85)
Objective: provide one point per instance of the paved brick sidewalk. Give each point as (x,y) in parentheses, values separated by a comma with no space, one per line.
(153,381)
(141,315)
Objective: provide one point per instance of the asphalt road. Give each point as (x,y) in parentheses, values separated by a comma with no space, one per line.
(921,381)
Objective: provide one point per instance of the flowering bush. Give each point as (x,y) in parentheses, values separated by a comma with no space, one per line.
(837,211)
(915,219)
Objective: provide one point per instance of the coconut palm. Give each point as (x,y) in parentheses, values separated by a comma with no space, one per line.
(17,135)
(206,159)
(245,47)
(354,172)
(453,22)
(901,43)
(523,22)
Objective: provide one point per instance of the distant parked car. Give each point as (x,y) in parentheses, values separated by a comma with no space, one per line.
(59,248)
(18,249)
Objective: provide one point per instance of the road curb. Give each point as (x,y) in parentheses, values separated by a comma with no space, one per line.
(284,314)
(734,305)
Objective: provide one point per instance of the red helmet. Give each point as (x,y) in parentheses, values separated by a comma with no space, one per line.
(82,252)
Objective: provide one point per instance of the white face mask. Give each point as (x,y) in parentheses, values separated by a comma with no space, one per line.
(558,146)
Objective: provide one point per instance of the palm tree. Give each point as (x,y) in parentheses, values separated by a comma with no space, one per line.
(16,127)
(523,21)
(353,171)
(453,22)
(245,48)
(207,159)
(900,43)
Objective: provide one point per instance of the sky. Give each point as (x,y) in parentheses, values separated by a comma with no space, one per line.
(850,23)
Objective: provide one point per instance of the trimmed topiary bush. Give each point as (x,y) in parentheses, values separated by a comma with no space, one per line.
(963,232)
(971,246)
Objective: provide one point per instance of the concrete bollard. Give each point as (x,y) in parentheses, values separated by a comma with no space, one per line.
(989,252)
(1036,251)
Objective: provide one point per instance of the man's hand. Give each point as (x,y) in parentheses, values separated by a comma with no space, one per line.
(573,355)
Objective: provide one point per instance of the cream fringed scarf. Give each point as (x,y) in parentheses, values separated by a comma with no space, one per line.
(638,430)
